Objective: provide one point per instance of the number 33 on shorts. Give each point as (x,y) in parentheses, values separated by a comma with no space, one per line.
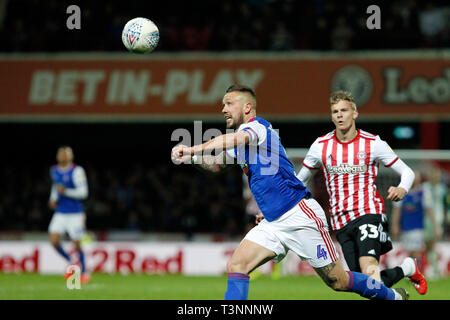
(368,230)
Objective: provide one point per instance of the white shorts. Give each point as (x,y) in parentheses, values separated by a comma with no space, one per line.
(413,240)
(303,229)
(72,223)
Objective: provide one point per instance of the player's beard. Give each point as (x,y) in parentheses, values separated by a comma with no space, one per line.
(236,122)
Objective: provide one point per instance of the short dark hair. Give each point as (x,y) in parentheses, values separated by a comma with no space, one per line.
(241,88)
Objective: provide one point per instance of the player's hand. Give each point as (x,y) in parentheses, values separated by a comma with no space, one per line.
(60,189)
(181,154)
(52,205)
(396,193)
(259,218)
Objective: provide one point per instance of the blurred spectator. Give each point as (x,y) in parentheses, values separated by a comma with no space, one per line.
(432,23)
(282,38)
(341,36)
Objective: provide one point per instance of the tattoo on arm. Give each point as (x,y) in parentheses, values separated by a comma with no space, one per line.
(213,163)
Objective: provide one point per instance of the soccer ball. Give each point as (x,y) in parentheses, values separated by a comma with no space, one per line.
(140,35)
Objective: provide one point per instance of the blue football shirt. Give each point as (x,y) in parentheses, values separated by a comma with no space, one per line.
(270,173)
(73,179)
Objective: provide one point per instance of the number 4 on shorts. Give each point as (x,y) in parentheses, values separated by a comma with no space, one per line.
(321,253)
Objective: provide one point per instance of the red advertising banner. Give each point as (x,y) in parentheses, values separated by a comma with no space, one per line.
(186,86)
(187,258)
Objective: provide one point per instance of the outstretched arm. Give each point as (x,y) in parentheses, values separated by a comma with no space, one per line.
(212,163)
(201,154)
(222,143)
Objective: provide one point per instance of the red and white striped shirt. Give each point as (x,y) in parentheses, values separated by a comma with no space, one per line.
(350,169)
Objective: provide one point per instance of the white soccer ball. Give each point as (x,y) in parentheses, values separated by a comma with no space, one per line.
(140,35)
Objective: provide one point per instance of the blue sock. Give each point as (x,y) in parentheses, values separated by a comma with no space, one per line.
(368,287)
(81,257)
(237,286)
(63,253)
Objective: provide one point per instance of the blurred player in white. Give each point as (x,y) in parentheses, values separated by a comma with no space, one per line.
(438,191)
(292,219)
(69,188)
(350,158)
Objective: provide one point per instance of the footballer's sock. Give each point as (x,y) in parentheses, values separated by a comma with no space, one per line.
(408,267)
(368,287)
(391,276)
(237,286)
(81,257)
(63,253)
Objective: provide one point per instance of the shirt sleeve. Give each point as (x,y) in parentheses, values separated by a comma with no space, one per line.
(384,153)
(257,132)
(313,157)
(54,190)
(54,193)
(304,175)
(80,191)
(406,174)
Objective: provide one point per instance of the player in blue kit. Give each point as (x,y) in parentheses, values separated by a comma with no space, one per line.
(69,188)
(292,219)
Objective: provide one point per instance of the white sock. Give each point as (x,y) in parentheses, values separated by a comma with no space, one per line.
(408,266)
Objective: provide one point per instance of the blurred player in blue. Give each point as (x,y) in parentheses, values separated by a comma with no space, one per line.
(292,219)
(69,188)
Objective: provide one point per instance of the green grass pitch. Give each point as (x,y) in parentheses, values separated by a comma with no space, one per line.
(178,287)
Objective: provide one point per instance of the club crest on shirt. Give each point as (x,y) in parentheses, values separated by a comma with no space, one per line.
(362,155)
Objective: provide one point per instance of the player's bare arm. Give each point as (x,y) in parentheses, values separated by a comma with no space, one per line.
(196,154)
(223,142)
(213,163)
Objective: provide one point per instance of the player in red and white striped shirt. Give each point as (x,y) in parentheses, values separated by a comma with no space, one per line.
(350,158)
